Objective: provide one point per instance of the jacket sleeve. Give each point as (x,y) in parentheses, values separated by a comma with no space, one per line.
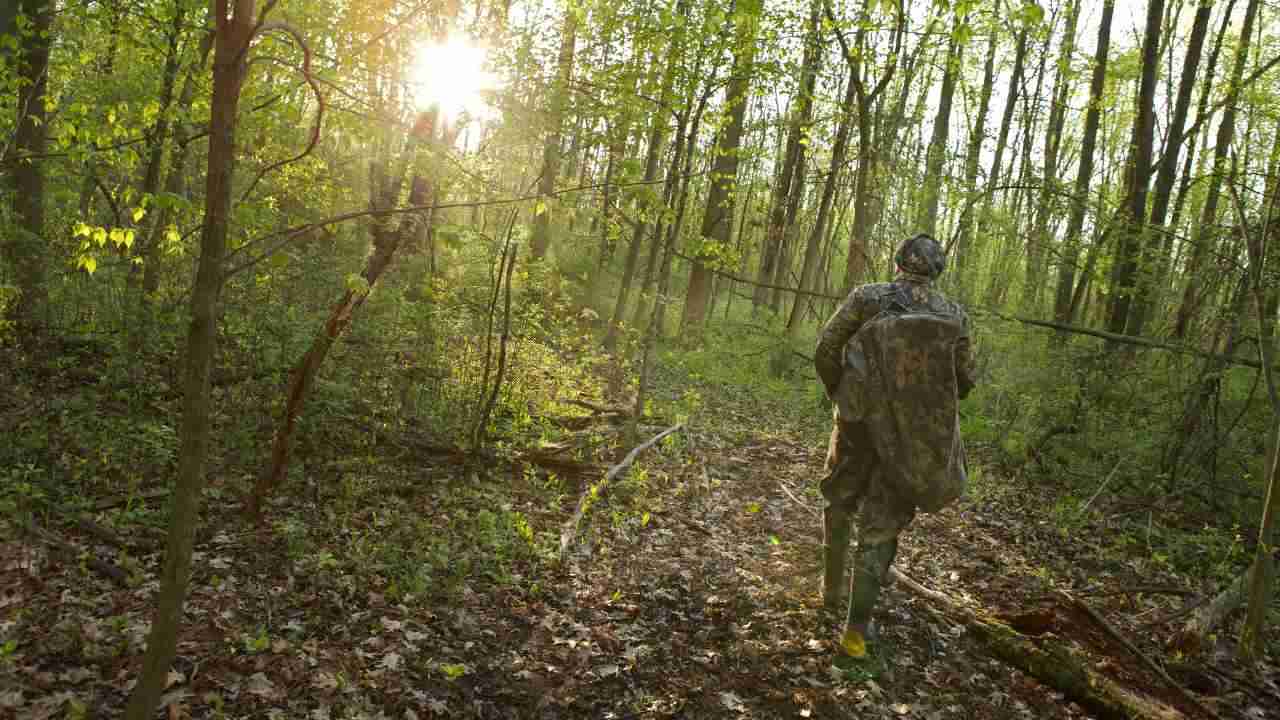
(966,370)
(828,357)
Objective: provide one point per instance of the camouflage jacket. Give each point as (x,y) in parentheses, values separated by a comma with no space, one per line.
(867,301)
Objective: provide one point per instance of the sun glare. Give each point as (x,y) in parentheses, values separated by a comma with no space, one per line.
(452,75)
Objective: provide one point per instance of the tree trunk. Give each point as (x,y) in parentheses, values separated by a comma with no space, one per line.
(1133,238)
(234,33)
(1262,577)
(1002,138)
(25,250)
(717,221)
(941,134)
(1206,235)
(1038,244)
(789,186)
(1158,260)
(1065,303)
(386,242)
(859,239)
(818,233)
(670,190)
(541,236)
(972,163)
(657,136)
(1201,128)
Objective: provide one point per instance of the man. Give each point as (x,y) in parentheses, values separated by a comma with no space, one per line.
(860,478)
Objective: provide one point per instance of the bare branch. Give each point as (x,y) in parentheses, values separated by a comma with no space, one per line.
(311,81)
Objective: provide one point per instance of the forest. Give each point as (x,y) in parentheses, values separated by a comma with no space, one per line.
(455,358)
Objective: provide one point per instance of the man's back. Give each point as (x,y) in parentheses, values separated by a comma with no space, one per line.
(909,293)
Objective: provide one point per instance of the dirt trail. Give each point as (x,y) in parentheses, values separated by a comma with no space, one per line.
(705,608)
(713,612)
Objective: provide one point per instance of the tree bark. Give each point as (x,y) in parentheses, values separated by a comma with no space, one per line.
(717,220)
(789,186)
(1133,238)
(657,136)
(1202,111)
(1206,235)
(973,155)
(386,242)
(1158,260)
(941,134)
(1038,245)
(818,233)
(1002,135)
(1262,576)
(541,236)
(25,249)
(234,33)
(159,138)
(1064,304)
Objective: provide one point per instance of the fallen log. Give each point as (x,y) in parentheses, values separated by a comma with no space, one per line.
(570,530)
(1150,664)
(1055,664)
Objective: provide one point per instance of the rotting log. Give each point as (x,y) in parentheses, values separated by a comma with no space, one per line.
(1055,664)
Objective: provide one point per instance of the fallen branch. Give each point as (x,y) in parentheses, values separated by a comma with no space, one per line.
(571,525)
(1054,664)
(798,501)
(116,502)
(1129,340)
(105,569)
(1150,664)
(1139,590)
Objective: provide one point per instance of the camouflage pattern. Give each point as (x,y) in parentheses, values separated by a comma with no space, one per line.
(855,484)
(895,443)
(921,255)
(909,404)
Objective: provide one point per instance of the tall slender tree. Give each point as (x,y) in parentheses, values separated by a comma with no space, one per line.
(1205,237)
(551,152)
(717,221)
(1064,306)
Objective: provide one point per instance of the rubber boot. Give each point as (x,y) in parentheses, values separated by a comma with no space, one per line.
(870,570)
(835,549)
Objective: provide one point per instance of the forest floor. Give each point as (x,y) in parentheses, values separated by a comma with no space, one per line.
(692,592)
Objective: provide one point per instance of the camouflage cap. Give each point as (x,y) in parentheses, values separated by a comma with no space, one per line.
(922,255)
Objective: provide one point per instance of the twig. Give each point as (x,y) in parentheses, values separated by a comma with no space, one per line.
(1140,589)
(570,529)
(1114,634)
(502,348)
(1101,487)
(798,501)
(311,81)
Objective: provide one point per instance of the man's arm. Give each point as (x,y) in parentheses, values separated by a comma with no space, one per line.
(828,357)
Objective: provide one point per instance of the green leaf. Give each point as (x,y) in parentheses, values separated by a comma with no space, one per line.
(138,214)
(540,208)
(128,238)
(82,230)
(89,263)
(454,670)
(100,236)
